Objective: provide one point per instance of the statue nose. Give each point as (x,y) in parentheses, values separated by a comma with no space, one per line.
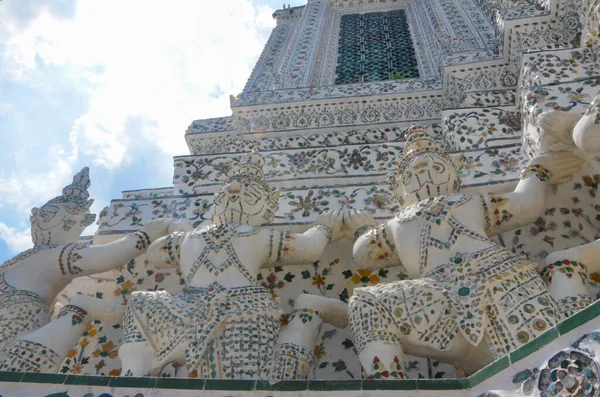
(233,188)
(421,166)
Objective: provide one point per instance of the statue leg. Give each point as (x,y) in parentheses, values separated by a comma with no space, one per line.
(297,339)
(377,340)
(566,272)
(45,349)
(138,356)
(409,317)
(137,359)
(566,283)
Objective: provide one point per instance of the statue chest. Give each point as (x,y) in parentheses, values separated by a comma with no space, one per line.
(218,252)
(432,232)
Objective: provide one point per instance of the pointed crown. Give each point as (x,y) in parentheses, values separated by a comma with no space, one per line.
(251,166)
(81,182)
(419,141)
(75,195)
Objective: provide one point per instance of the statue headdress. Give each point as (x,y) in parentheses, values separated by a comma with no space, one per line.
(74,200)
(75,196)
(251,168)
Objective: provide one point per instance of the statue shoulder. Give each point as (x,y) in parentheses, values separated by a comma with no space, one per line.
(247,230)
(228,230)
(434,209)
(30,253)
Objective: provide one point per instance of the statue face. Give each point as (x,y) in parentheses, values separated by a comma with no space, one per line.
(426,175)
(244,201)
(53,224)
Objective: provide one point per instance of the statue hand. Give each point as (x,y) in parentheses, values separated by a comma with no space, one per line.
(556,125)
(334,220)
(586,133)
(354,220)
(157,228)
(180,225)
(562,165)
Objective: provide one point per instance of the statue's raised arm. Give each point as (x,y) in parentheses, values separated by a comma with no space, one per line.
(286,248)
(30,282)
(224,315)
(453,307)
(508,211)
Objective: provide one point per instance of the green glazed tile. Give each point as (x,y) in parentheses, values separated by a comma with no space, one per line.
(333,385)
(230,384)
(180,383)
(489,371)
(87,380)
(442,384)
(286,385)
(120,381)
(406,384)
(534,345)
(32,377)
(365,54)
(11,376)
(579,318)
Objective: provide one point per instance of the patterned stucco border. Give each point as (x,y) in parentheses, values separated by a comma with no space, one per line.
(582,317)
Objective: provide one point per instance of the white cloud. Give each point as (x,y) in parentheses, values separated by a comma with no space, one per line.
(23,190)
(166,63)
(17,239)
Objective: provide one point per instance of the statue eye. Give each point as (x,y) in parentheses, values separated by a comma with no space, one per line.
(46,215)
(436,167)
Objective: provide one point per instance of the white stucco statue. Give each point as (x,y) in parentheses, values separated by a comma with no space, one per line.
(30,282)
(469,299)
(573,129)
(224,324)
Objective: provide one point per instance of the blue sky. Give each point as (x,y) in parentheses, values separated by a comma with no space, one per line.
(113,85)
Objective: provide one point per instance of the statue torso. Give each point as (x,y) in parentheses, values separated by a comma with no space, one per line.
(32,271)
(229,254)
(432,232)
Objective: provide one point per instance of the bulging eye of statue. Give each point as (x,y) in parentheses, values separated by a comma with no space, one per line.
(439,168)
(48,213)
(45,215)
(252,195)
(68,224)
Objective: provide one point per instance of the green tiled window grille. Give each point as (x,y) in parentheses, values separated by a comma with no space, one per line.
(374,47)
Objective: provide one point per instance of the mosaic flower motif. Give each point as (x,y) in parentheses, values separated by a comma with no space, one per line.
(271,283)
(124,289)
(300,160)
(592,183)
(507,163)
(107,350)
(318,280)
(365,276)
(569,374)
(307,205)
(378,200)
(319,351)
